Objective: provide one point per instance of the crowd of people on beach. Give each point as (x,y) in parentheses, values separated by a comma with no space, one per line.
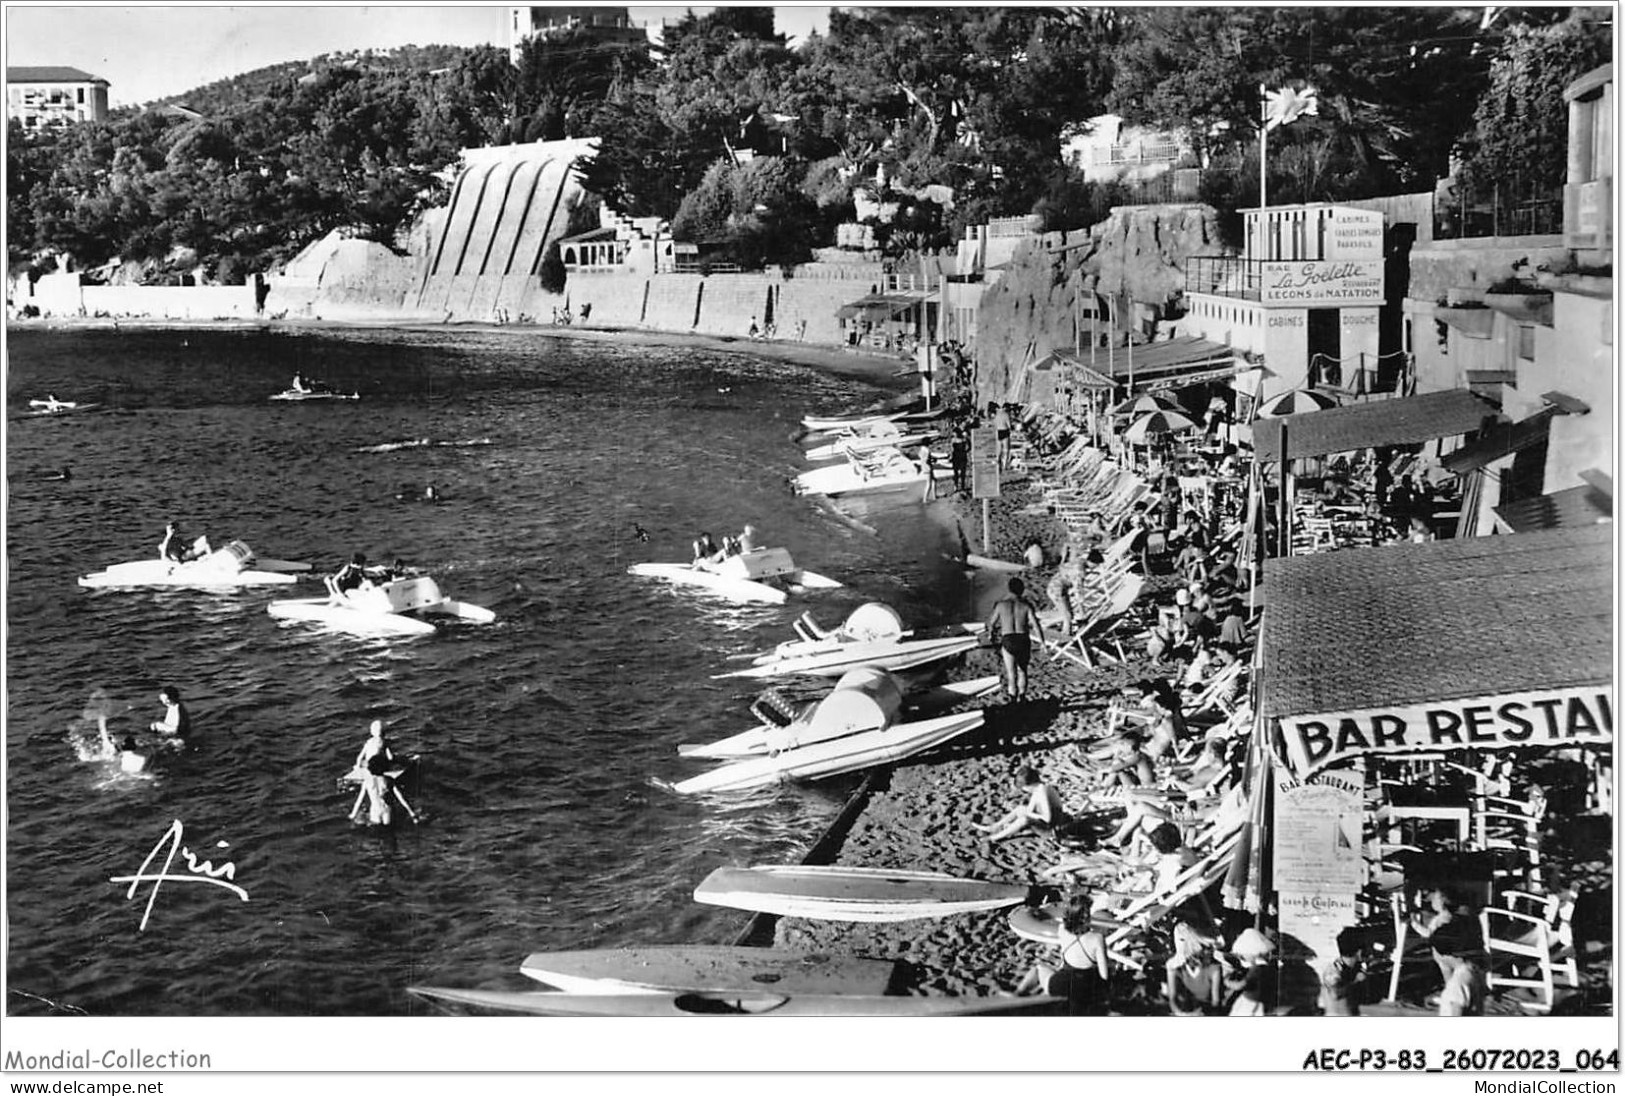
(1146,815)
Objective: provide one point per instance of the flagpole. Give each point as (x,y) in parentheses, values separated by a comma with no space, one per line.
(1263,142)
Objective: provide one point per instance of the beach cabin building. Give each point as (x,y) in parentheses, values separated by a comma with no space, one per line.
(54,95)
(1306,296)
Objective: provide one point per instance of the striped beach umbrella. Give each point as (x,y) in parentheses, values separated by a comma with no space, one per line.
(1145,404)
(1296,402)
(1158,422)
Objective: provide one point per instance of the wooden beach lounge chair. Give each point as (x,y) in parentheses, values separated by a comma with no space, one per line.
(1095,640)
(1146,912)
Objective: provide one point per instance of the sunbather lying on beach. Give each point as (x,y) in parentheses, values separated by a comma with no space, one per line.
(1042,812)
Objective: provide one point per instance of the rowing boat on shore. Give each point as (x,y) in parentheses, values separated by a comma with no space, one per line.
(840,893)
(765,575)
(737,1003)
(403,606)
(233,564)
(706,968)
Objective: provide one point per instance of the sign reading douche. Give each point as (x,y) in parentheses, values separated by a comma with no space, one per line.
(1553,717)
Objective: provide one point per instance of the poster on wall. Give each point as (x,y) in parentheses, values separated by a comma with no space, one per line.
(1318,854)
(984,463)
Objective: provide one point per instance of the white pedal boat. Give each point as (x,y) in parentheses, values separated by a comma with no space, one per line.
(825,424)
(810,718)
(58,407)
(872,635)
(231,565)
(854,727)
(296,394)
(883,469)
(864,443)
(404,606)
(764,575)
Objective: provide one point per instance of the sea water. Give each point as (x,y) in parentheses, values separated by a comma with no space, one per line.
(543,735)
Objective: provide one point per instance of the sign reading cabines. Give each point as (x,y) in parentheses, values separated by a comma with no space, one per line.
(1553,717)
(1322,283)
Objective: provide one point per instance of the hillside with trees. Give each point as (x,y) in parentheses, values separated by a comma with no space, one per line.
(942,116)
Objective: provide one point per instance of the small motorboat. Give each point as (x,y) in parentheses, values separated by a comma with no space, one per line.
(231,565)
(884,469)
(764,575)
(402,606)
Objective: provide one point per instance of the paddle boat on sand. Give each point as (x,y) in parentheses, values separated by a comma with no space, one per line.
(872,636)
(818,424)
(854,727)
(863,442)
(763,575)
(402,606)
(231,565)
(787,725)
(883,469)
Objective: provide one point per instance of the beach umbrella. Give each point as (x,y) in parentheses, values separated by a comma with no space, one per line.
(1145,404)
(1157,422)
(1296,402)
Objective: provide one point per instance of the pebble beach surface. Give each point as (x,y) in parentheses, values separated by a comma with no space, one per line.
(922,816)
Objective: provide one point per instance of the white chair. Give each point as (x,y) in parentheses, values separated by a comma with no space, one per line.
(1532,947)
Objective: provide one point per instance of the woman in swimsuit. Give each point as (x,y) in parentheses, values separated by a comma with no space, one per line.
(1084,974)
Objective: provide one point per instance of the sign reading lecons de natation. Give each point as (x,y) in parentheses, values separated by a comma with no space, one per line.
(1323,282)
(1553,717)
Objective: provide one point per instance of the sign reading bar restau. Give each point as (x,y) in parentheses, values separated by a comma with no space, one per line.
(1322,283)
(1550,717)
(984,463)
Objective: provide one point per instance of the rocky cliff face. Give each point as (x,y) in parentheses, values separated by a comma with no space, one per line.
(1138,254)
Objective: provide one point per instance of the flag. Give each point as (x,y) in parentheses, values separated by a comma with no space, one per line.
(1287,105)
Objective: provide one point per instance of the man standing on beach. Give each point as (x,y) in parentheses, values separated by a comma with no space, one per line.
(1012,620)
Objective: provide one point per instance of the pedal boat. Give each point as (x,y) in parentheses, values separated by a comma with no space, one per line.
(872,635)
(403,606)
(231,565)
(766,575)
(884,469)
(298,394)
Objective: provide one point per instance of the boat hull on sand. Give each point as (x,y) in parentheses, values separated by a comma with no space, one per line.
(826,424)
(864,443)
(836,755)
(758,741)
(705,968)
(404,607)
(837,658)
(867,473)
(232,565)
(766,575)
(547,1003)
(839,893)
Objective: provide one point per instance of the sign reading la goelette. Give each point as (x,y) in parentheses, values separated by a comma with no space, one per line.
(1551,718)
(1323,282)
